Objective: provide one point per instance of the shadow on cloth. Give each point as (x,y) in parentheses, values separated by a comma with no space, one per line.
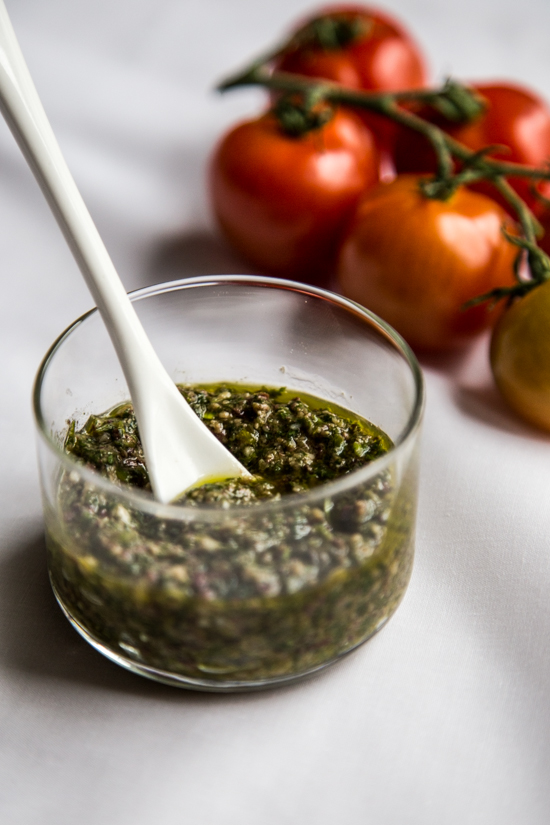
(485,404)
(473,389)
(446,363)
(201,252)
(194,253)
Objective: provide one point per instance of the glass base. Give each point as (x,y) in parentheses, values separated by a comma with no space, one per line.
(187,682)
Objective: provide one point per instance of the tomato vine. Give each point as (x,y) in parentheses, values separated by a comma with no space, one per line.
(457,165)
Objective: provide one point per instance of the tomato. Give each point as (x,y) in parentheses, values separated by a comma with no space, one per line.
(520,356)
(283,202)
(382,57)
(515,118)
(415,261)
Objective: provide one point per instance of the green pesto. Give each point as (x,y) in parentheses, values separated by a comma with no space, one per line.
(257,594)
(288,443)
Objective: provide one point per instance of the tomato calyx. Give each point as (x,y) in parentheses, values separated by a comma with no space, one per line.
(297,116)
(330,32)
(456,102)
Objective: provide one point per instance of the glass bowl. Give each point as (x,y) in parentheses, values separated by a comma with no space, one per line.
(299,581)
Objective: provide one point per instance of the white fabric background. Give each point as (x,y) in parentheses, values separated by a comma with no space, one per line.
(441,718)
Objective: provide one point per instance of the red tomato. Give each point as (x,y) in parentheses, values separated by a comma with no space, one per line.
(415,261)
(383,57)
(515,117)
(284,202)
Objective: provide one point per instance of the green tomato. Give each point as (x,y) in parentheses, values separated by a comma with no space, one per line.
(520,356)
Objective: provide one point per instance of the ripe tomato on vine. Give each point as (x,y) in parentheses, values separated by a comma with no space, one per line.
(283,200)
(416,261)
(359,47)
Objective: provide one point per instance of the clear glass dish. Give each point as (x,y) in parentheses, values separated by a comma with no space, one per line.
(329,566)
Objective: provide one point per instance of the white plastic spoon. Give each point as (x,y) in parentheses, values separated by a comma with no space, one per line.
(179,449)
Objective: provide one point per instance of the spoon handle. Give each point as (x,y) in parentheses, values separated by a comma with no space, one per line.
(24,113)
(179,449)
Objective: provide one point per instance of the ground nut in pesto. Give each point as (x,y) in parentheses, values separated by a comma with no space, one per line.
(258,593)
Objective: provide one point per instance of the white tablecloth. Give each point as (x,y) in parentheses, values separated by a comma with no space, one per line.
(441,718)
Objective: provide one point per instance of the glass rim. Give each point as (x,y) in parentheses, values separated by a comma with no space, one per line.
(144,500)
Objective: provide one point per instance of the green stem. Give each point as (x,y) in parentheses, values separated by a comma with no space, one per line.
(387,105)
(382,103)
(529,224)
